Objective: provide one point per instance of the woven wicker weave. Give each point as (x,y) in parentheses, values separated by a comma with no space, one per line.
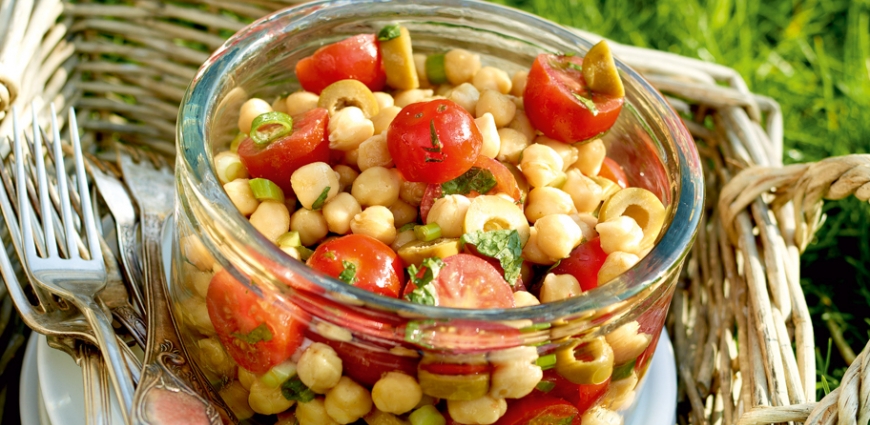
(125,68)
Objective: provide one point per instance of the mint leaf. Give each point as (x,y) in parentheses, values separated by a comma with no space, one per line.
(423,279)
(260,333)
(476,179)
(348,275)
(318,203)
(503,245)
(294,389)
(389,32)
(588,103)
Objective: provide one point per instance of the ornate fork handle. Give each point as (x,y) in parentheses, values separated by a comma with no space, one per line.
(133,322)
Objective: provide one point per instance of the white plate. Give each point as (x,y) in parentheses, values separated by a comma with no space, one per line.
(657,401)
(30,405)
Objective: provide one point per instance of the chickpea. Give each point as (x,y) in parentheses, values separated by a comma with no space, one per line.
(236,398)
(311,225)
(558,234)
(586,194)
(522,124)
(346,176)
(403,238)
(348,128)
(518,83)
(319,367)
(313,413)
(311,181)
(385,116)
(466,96)
(266,400)
(627,342)
(590,156)
(196,253)
(272,219)
(489,133)
(384,100)
(375,221)
(374,153)
(620,234)
(541,165)
(460,66)
(525,299)
(412,192)
(377,186)
(598,415)
(250,110)
(500,106)
(587,223)
(279,105)
(350,157)
(197,281)
(213,356)
(406,97)
(246,378)
(300,102)
(515,373)
(420,64)
(403,213)
(482,411)
(241,195)
(532,252)
(620,394)
(396,393)
(339,212)
(559,287)
(492,78)
(347,401)
(512,144)
(548,200)
(568,153)
(449,212)
(616,264)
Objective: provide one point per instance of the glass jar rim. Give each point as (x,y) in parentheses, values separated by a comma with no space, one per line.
(195,156)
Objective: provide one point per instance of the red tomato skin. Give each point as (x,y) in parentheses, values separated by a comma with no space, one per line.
(378,268)
(583,263)
(234,309)
(611,170)
(583,397)
(430,195)
(411,146)
(366,366)
(467,281)
(539,409)
(354,58)
(309,142)
(552,107)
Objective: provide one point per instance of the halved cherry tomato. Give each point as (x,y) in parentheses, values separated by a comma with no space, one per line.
(356,58)
(559,104)
(366,366)
(505,182)
(612,171)
(467,281)
(307,143)
(433,142)
(539,409)
(581,396)
(256,334)
(430,195)
(366,262)
(583,263)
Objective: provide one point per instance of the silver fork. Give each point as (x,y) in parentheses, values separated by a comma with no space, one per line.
(75,279)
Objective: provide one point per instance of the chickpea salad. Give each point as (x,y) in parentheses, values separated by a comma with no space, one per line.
(440,181)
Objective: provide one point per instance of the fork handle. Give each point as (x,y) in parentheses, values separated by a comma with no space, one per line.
(133,322)
(96,382)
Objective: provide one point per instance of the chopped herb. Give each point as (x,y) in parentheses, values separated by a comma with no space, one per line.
(433,160)
(574,66)
(623,371)
(414,334)
(503,245)
(545,386)
(348,275)
(389,32)
(318,203)
(422,278)
(588,103)
(260,333)
(294,389)
(424,295)
(569,54)
(476,179)
(407,226)
(436,142)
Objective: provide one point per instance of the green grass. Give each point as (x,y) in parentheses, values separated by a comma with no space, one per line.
(813,57)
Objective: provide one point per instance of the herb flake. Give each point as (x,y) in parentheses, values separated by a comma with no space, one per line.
(476,179)
(588,103)
(260,333)
(318,203)
(423,278)
(348,275)
(294,389)
(575,67)
(389,32)
(503,245)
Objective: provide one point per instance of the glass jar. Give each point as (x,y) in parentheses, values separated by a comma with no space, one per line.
(592,350)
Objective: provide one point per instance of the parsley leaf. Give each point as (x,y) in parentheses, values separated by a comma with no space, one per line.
(348,275)
(476,179)
(422,278)
(503,245)
(318,203)
(260,333)
(588,103)
(294,389)
(389,32)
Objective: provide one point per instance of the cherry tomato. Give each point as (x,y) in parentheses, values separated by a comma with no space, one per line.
(467,281)
(307,143)
(364,365)
(357,58)
(255,333)
(539,409)
(505,182)
(612,171)
(456,369)
(583,263)
(433,142)
(366,263)
(579,395)
(559,104)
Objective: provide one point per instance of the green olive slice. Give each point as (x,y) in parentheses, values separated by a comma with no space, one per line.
(641,205)
(453,387)
(594,371)
(344,93)
(600,73)
(417,251)
(398,61)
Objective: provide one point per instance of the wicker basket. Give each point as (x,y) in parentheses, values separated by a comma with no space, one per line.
(125,67)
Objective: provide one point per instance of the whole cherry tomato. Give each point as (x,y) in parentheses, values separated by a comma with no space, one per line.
(559,104)
(612,171)
(255,333)
(309,142)
(466,281)
(361,261)
(433,142)
(364,365)
(583,263)
(539,409)
(357,58)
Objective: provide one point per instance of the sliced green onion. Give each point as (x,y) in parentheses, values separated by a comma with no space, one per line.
(546,362)
(290,239)
(407,226)
(234,145)
(278,374)
(435,72)
(389,32)
(427,415)
(265,190)
(623,371)
(270,126)
(428,232)
(536,327)
(545,386)
(229,167)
